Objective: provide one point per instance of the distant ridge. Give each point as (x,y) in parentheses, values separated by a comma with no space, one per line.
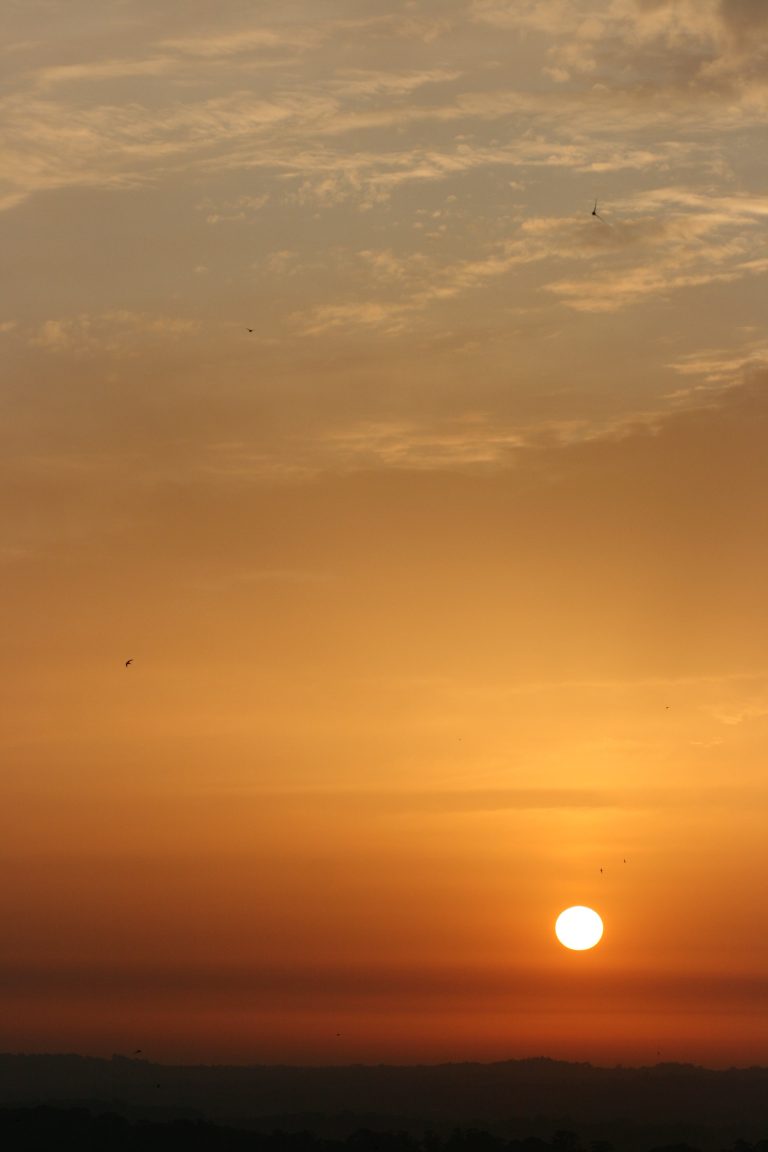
(630,1108)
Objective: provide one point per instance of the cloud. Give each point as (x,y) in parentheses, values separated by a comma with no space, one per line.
(387,317)
(410,444)
(98,123)
(685,45)
(612,292)
(484,801)
(111,332)
(407,986)
(414,283)
(690,241)
(369,83)
(715,369)
(473,442)
(172,57)
(237,208)
(247,40)
(744,17)
(737,713)
(645,248)
(102,70)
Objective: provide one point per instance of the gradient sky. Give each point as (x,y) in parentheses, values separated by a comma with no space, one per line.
(445,586)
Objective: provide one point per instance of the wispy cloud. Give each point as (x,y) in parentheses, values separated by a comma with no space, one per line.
(483,801)
(688,241)
(737,713)
(409,985)
(711,370)
(227,211)
(66,127)
(612,292)
(706,42)
(474,441)
(112,332)
(247,40)
(667,241)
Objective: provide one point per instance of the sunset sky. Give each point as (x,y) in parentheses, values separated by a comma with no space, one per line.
(445,586)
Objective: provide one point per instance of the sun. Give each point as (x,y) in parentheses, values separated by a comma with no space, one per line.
(579,928)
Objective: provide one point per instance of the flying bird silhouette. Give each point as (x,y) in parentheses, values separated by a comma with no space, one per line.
(129,661)
(595,211)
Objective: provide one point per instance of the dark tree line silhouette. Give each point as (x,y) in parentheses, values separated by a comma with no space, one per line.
(50,1129)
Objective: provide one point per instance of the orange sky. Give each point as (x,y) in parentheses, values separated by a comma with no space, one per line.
(445,586)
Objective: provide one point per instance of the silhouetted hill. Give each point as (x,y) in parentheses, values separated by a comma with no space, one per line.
(633,1109)
(49,1129)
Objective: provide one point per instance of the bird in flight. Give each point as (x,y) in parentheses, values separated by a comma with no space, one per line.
(595,211)
(250,329)
(129,661)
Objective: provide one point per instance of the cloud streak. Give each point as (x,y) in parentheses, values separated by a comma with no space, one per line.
(410,988)
(64,130)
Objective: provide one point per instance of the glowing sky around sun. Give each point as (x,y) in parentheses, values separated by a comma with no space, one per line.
(444,585)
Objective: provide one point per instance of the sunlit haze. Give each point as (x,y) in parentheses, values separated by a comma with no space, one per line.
(429,506)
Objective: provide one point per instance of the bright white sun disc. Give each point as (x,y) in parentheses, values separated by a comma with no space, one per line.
(578,928)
